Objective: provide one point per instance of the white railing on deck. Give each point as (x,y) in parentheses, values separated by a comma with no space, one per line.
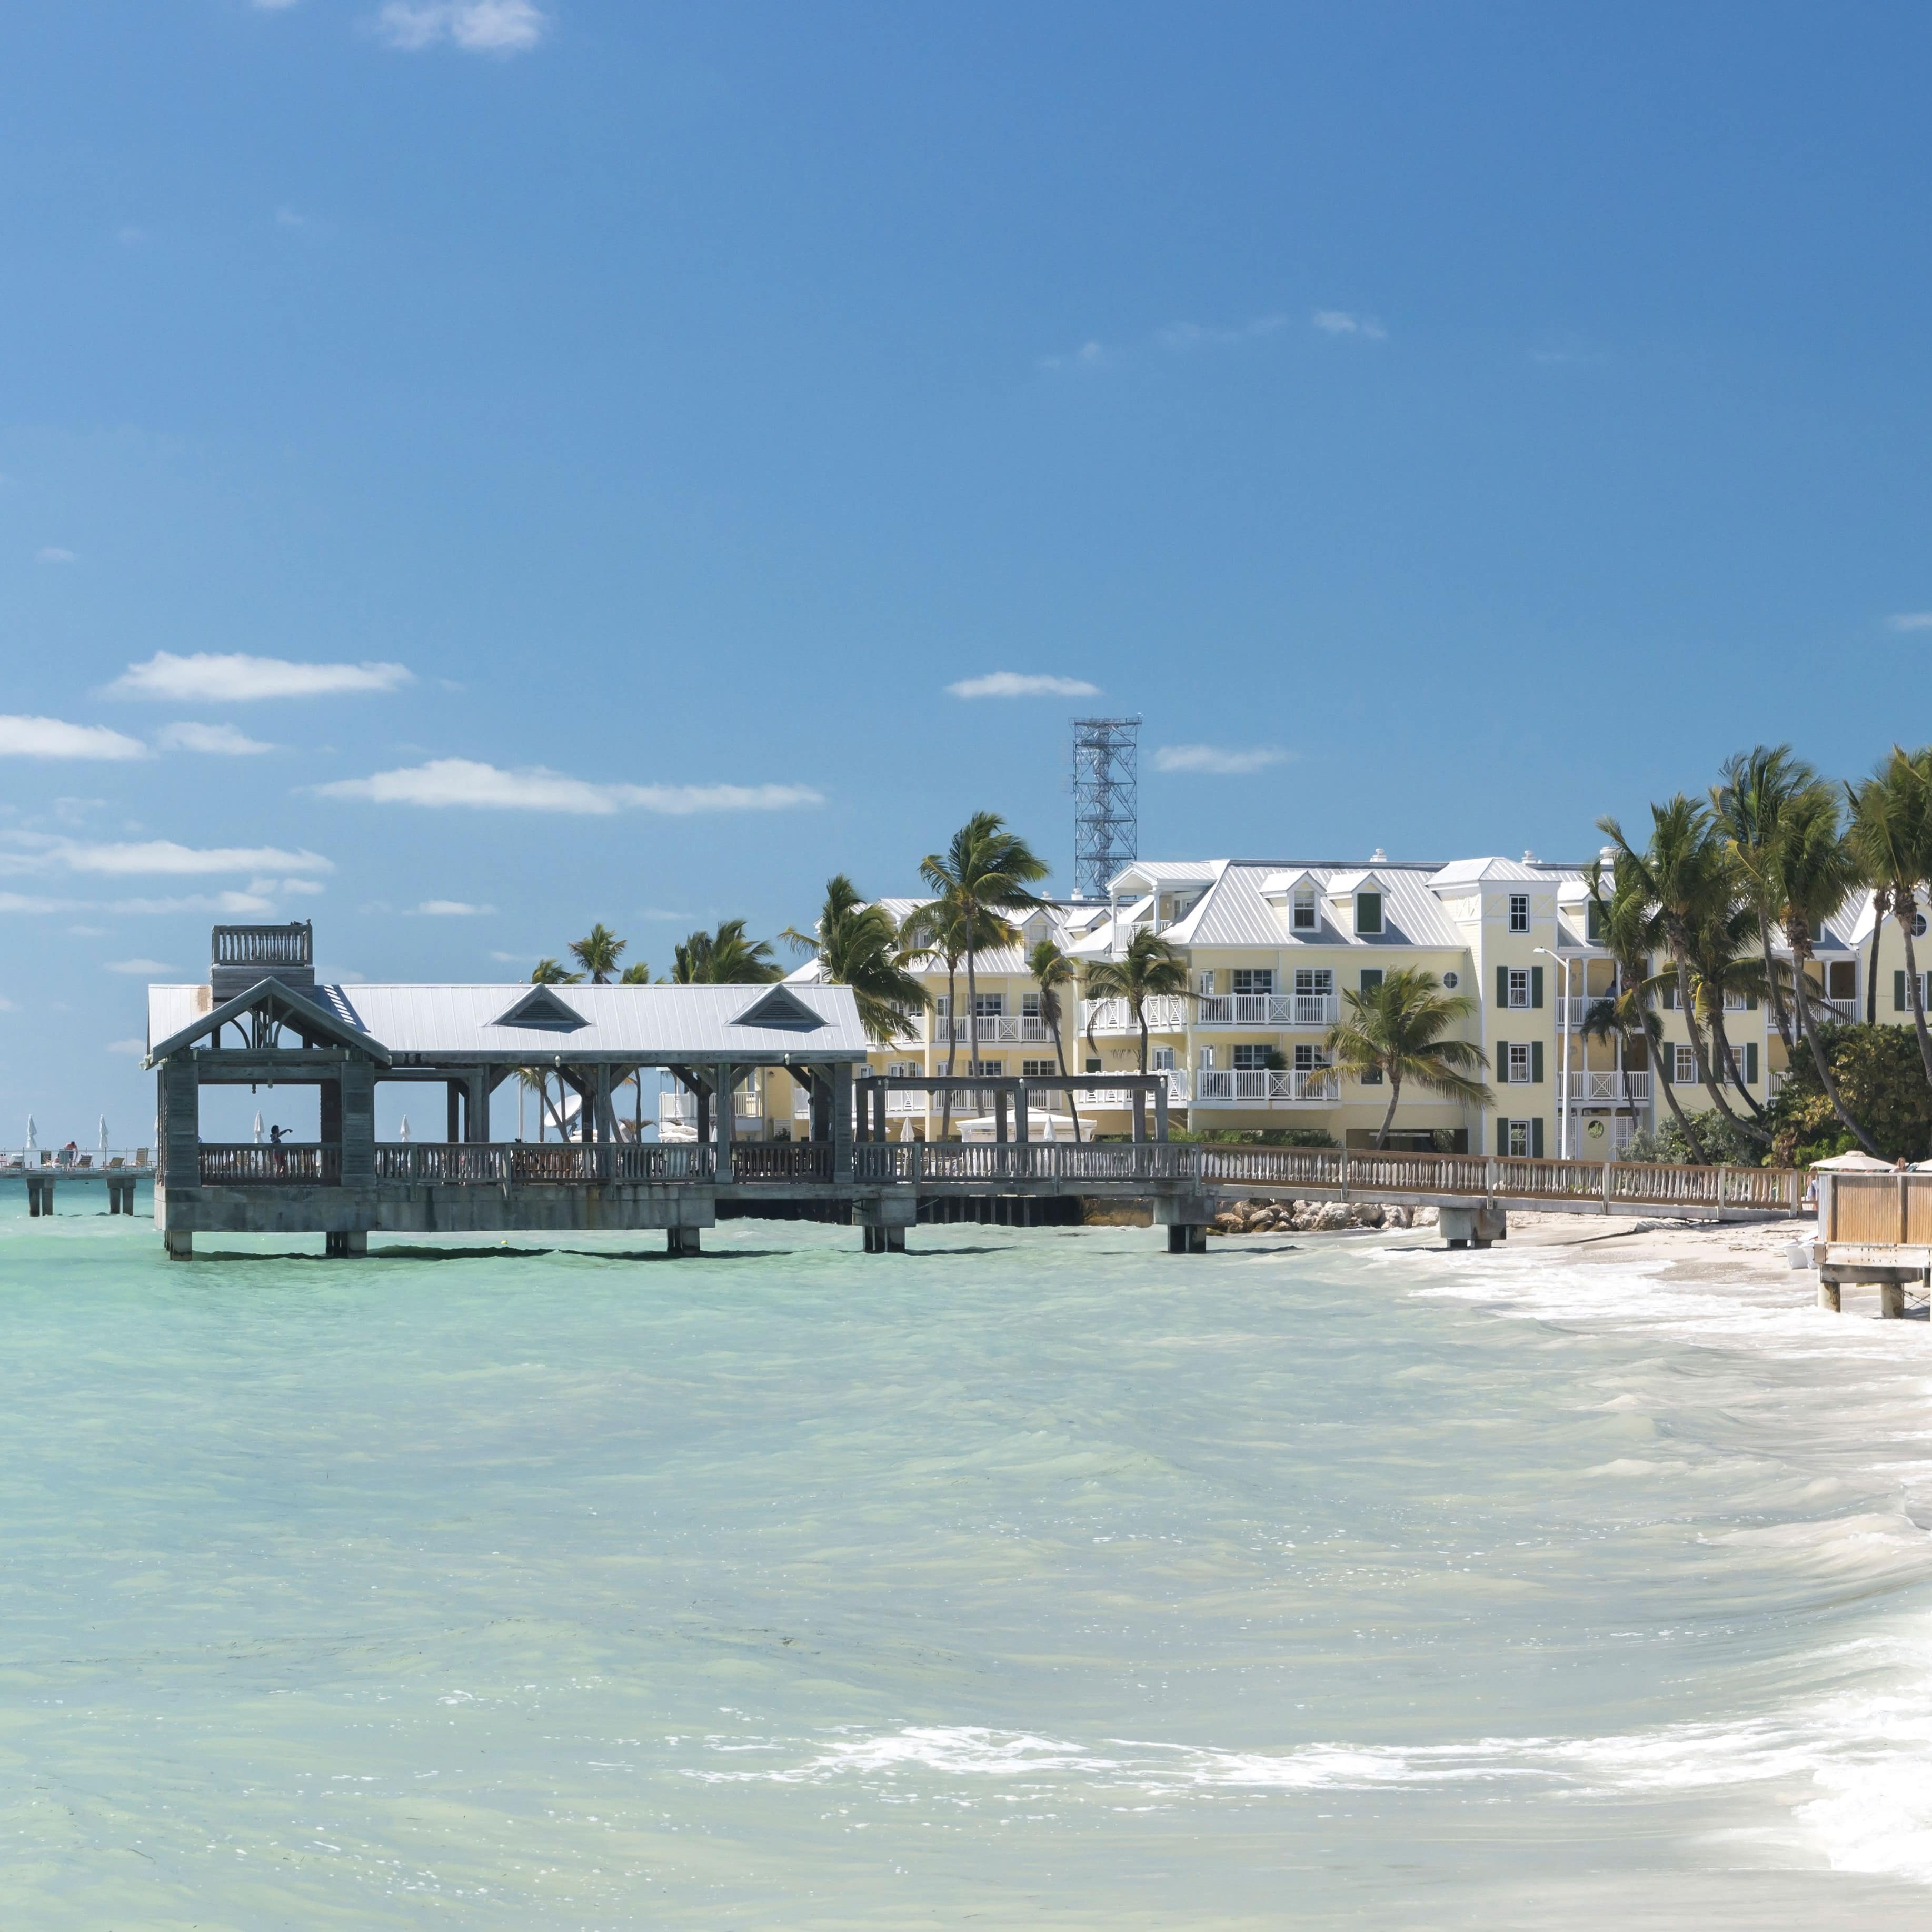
(1266,1010)
(994,1029)
(1166,1012)
(1264,1088)
(1610,1088)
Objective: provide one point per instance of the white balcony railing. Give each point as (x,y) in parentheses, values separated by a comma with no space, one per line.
(970,1101)
(681,1108)
(1828,1013)
(1608,1089)
(1237,1084)
(1265,1009)
(994,1029)
(1573,1010)
(1166,1012)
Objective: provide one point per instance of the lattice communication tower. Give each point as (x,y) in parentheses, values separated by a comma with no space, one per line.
(1106,800)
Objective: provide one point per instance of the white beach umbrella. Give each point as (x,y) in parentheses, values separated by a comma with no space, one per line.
(103,1133)
(258,1130)
(33,1141)
(905,1127)
(1049,1134)
(404,1132)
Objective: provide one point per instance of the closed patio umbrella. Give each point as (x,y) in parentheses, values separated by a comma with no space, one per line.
(258,1130)
(33,1141)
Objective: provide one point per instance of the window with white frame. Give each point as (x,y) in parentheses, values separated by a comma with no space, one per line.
(1161,1059)
(986,1069)
(1302,916)
(1207,1059)
(1252,1059)
(1030,1006)
(942,1006)
(1517,1139)
(1518,912)
(1205,987)
(990,1006)
(1254,979)
(1313,980)
(1517,1069)
(903,1070)
(1310,1059)
(1684,1067)
(1037,1070)
(1519,986)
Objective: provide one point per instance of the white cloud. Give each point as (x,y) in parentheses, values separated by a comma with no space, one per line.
(50,738)
(154,855)
(1911,620)
(467,782)
(1220,760)
(138,966)
(1022,684)
(478,26)
(299,885)
(1339,322)
(220,741)
(1178,338)
(53,554)
(22,902)
(135,1048)
(451,909)
(236,905)
(233,678)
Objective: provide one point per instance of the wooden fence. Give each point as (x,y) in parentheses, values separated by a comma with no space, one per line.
(1879,1209)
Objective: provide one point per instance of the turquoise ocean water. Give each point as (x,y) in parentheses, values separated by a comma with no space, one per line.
(1033,1579)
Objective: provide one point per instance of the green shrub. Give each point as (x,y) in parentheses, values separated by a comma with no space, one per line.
(1882,1081)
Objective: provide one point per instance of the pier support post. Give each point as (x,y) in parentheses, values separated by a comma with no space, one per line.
(1891,1300)
(180,1244)
(1186,1216)
(681,1241)
(1828,1297)
(885,1219)
(1186,1238)
(349,1244)
(1474,1227)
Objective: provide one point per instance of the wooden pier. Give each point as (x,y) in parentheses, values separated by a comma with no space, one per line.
(40,1171)
(279,1028)
(1874,1231)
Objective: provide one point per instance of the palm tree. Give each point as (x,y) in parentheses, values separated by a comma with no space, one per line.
(1890,835)
(637,973)
(1052,970)
(1748,806)
(725,958)
(1149,967)
(1629,931)
(598,952)
(1816,870)
(1688,881)
(548,973)
(987,871)
(1393,1032)
(936,930)
(858,946)
(1722,968)
(537,1078)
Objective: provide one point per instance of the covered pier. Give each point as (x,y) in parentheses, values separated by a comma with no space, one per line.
(263,1020)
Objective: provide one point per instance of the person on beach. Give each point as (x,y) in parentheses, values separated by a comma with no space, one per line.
(279,1159)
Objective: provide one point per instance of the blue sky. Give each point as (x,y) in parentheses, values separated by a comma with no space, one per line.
(609,429)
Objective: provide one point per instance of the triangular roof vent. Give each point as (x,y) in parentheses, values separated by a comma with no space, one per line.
(782,1009)
(543,1007)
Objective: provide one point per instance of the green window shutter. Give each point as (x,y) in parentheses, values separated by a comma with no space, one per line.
(1502,985)
(1898,991)
(1536,1137)
(1372,978)
(1536,985)
(1750,1002)
(1750,1062)
(1536,1061)
(1502,1057)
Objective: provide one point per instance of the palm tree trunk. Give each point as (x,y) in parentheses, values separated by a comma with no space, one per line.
(1140,1017)
(1881,905)
(1727,1062)
(1801,957)
(1382,1131)
(1697,1046)
(952,1044)
(1908,911)
(1060,1053)
(1657,1050)
(972,1012)
(1771,980)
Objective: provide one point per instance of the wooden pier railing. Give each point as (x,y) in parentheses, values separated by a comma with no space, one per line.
(1316,1173)
(245,1164)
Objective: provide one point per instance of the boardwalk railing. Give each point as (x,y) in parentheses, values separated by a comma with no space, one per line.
(1877,1206)
(523,1163)
(247,1164)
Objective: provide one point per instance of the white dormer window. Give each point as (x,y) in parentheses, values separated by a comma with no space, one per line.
(1368,912)
(1302,915)
(1518,912)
